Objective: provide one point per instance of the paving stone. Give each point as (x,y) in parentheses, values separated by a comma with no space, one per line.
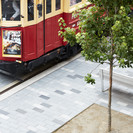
(3,112)
(79,103)
(103,101)
(67,91)
(31,128)
(66,117)
(4,116)
(21,111)
(79,76)
(67,70)
(38,106)
(31,131)
(58,121)
(75,91)
(60,92)
(46,105)
(41,127)
(38,110)
(65,84)
(44,97)
(70,76)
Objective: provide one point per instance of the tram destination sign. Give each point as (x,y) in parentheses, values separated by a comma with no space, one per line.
(11,43)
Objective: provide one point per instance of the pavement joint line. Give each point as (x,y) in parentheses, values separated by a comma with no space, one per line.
(37,77)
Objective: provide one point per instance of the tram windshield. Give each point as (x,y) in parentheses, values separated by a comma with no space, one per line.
(10,10)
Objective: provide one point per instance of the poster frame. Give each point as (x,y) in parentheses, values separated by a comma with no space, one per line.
(11,55)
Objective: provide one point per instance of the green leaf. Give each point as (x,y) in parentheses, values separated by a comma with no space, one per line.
(90,80)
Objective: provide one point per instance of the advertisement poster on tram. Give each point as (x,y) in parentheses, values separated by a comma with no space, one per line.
(11,43)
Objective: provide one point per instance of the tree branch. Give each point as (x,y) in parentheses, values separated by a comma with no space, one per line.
(95,68)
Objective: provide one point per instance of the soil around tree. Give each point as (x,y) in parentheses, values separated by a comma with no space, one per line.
(95,120)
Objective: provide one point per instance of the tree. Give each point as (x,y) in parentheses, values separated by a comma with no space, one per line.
(106,36)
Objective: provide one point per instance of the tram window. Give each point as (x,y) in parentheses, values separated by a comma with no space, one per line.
(48,6)
(39,8)
(10,10)
(73,2)
(58,4)
(30,10)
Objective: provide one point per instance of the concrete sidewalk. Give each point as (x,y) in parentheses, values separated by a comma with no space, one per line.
(44,104)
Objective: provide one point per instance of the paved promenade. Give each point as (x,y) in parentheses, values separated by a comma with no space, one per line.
(44,103)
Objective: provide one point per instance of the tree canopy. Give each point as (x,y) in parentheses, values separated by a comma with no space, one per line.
(106,23)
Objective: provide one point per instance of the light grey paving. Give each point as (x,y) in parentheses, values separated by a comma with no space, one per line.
(48,103)
(58,121)
(31,132)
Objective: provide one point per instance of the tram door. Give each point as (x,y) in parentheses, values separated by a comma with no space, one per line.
(34,29)
(53,11)
(40,27)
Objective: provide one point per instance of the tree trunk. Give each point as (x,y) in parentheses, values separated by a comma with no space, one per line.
(110,95)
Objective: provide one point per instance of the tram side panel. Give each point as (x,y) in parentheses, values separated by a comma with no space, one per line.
(52,40)
(40,39)
(57,39)
(29,43)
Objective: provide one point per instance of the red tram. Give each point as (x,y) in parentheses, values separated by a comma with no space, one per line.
(29,32)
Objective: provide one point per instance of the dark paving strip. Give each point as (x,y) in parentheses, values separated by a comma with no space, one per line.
(79,76)
(58,121)
(70,76)
(75,76)
(46,105)
(38,110)
(75,91)
(21,111)
(3,112)
(59,92)
(44,97)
